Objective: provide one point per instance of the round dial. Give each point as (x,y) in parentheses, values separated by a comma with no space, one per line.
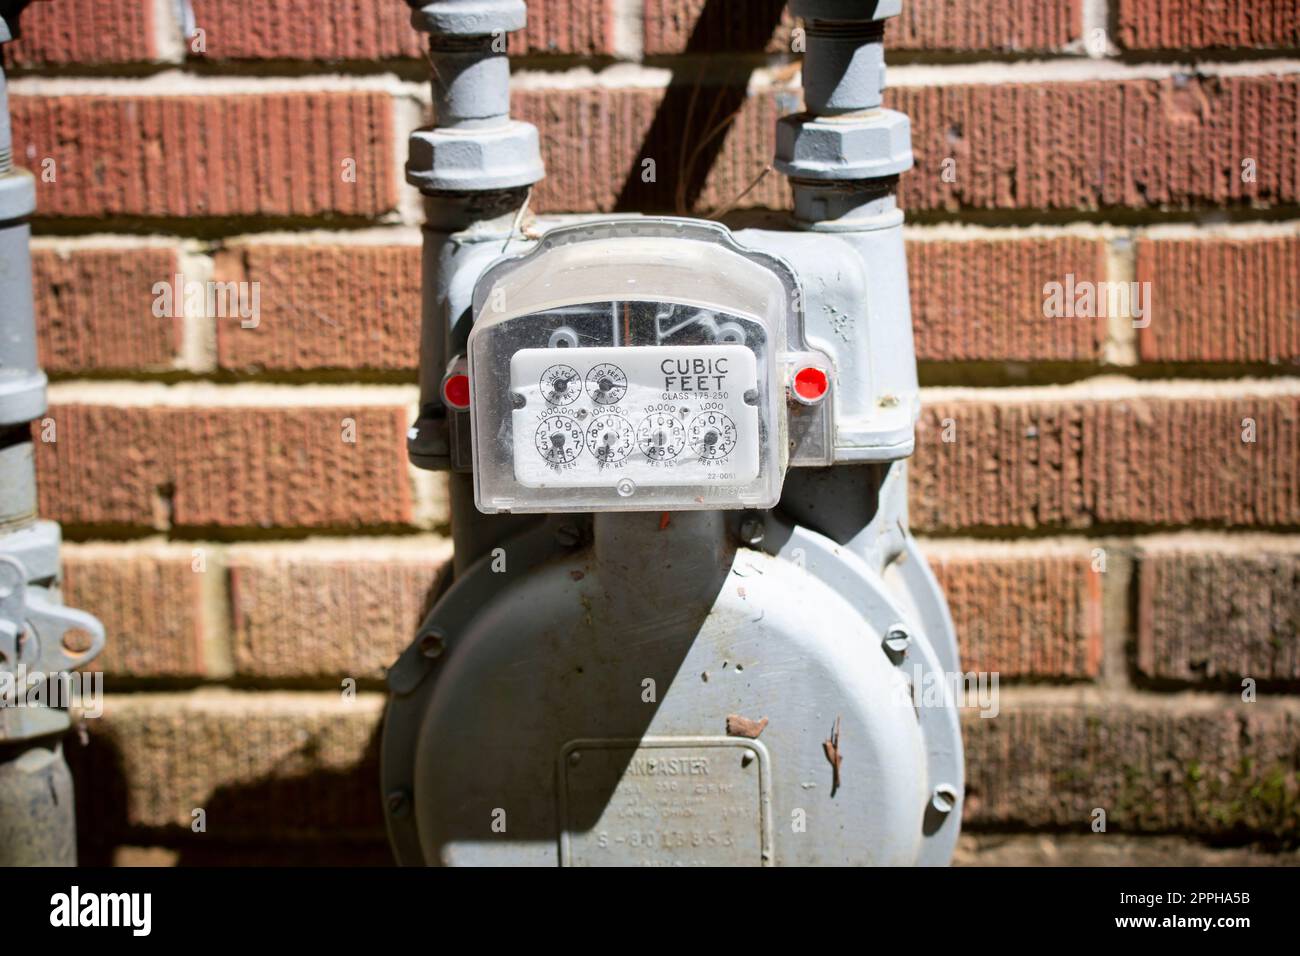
(606,384)
(559,439)
(712,435)
(561,384)
(660,437)
(610,438)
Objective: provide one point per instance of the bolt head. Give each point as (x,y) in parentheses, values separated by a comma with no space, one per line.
(752,531)
(944,798)
(433,644)
(897,640)
(77,641)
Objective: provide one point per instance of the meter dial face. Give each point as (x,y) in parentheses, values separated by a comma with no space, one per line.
(561,384)
(606,384)
(660,437)
(559,439)
(610,439)
(712,435)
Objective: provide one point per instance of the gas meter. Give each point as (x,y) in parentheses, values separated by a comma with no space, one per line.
(686,624)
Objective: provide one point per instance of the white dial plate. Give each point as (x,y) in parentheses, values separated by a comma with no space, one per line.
(648,415)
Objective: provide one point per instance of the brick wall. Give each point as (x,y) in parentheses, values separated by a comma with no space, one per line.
(240,513)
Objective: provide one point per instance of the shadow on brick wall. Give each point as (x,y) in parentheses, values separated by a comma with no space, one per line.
(690,125)
(325,817)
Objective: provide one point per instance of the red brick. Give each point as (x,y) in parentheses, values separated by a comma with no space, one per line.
(304,615)
(983,299)
(357,307)
(581,27)
(1221,300)
(1217,616)
(1094,145)
(1135,144)
(594,142)
(196,467)
(84,32)
(697,26)
(278,766)
(1003,26)
(150,603)
(1034,616)
(270,155)
(676,26)
(94,309)
(369,30)
(1148,461)
(1233,770)
(1194,24)
(341,307)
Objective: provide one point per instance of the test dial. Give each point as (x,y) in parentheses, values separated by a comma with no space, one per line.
(606,384)
(561,384)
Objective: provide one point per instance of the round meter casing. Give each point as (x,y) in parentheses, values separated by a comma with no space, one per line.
(658,696)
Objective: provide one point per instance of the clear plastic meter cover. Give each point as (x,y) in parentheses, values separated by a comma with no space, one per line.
(629,365)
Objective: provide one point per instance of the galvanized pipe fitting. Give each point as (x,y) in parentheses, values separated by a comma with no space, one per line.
(844,66)
(847,204)
(474,146)
(471,81)
(844,153)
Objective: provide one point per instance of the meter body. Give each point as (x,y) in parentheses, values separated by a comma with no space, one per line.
(678,498)
(686,623)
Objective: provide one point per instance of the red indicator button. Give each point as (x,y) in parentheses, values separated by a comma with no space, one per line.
(811,385)
(455,391)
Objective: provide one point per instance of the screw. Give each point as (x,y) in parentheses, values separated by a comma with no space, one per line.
(945,798)
(575,757)
(626,487)
(567,535)
(397,803)
(77,641)
(752,530)
(432,644)
(896,641)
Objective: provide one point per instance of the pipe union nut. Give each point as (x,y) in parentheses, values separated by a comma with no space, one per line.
(474,160)
(857,147)
(468,18)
